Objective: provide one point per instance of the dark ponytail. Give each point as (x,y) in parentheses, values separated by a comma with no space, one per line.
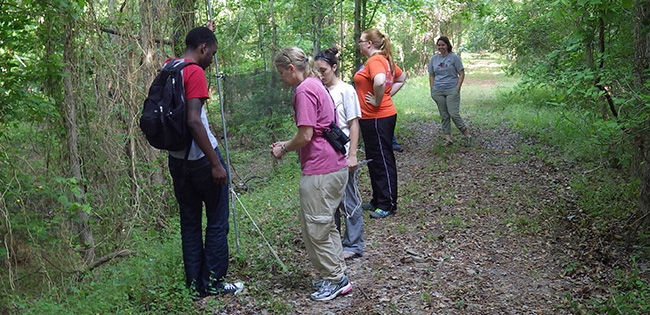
(329,55)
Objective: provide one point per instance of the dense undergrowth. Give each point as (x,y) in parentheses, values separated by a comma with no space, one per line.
(151,282)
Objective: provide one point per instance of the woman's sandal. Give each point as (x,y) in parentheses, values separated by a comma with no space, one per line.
(350,255)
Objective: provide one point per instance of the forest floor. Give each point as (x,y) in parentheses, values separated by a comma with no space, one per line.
(485,229)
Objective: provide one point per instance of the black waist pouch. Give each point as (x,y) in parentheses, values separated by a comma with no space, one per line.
(336,137)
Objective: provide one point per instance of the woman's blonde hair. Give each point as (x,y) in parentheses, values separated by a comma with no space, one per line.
(296,57)
(380,41)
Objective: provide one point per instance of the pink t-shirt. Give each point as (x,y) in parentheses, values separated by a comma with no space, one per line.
(313,106)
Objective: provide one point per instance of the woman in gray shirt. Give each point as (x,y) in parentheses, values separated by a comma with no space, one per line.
(446,75)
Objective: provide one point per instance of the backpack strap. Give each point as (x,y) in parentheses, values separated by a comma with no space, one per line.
(177,65)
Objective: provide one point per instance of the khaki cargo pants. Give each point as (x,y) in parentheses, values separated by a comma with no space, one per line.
(320,195)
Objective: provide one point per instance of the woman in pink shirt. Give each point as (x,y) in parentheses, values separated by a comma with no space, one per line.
(324,171)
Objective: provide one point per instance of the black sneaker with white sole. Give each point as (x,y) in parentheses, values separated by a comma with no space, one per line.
(329,290)
(225,288)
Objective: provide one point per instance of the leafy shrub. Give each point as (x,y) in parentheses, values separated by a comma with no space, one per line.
(258,105)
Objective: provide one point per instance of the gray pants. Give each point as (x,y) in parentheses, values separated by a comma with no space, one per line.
(448,102)
(350,206)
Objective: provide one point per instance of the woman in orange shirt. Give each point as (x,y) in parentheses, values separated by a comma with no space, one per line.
(377,80)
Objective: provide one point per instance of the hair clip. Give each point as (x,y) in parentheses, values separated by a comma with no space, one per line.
(290,61)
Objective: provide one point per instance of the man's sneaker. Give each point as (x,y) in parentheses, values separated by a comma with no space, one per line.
(447,143)
(225,288)
(378,214)
(397,148)
(329,290)
(368,207)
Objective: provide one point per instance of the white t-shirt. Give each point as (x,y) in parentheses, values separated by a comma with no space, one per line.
(196,152)
(347,106)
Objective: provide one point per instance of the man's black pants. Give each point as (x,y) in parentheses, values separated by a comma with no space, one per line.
(206,263)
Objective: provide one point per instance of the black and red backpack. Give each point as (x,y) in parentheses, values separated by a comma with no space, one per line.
(164,114)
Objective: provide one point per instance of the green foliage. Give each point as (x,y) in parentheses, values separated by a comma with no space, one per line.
(273,207)
(258,114)
(605,197)
(413,103)
(71,208)
(152,282)
(594,102)
(631,295)
(21,98)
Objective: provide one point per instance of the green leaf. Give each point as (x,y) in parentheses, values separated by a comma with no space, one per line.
(64,200)
(627,4)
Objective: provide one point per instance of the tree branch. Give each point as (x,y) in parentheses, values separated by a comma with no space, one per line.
(109,257)
(374,10)
(599,85)
(136,37)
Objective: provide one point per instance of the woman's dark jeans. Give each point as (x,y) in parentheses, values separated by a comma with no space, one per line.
(206,263)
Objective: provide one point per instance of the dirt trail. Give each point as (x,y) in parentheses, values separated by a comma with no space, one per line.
(471,235)
(467,238)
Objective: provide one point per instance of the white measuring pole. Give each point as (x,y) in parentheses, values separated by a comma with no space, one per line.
(225,141)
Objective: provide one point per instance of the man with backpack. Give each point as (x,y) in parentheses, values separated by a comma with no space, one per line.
(200,177)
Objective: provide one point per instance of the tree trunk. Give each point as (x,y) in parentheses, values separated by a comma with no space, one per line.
(150,64)
(589,53)
(361,23)
(317,29)
(357,62)
(459,37)
(642,66)
(274,44)
(183,23)
(644,170)
(70,120)
(642,41)
(599,85)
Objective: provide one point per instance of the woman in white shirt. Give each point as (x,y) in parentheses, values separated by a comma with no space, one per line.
(348,111)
